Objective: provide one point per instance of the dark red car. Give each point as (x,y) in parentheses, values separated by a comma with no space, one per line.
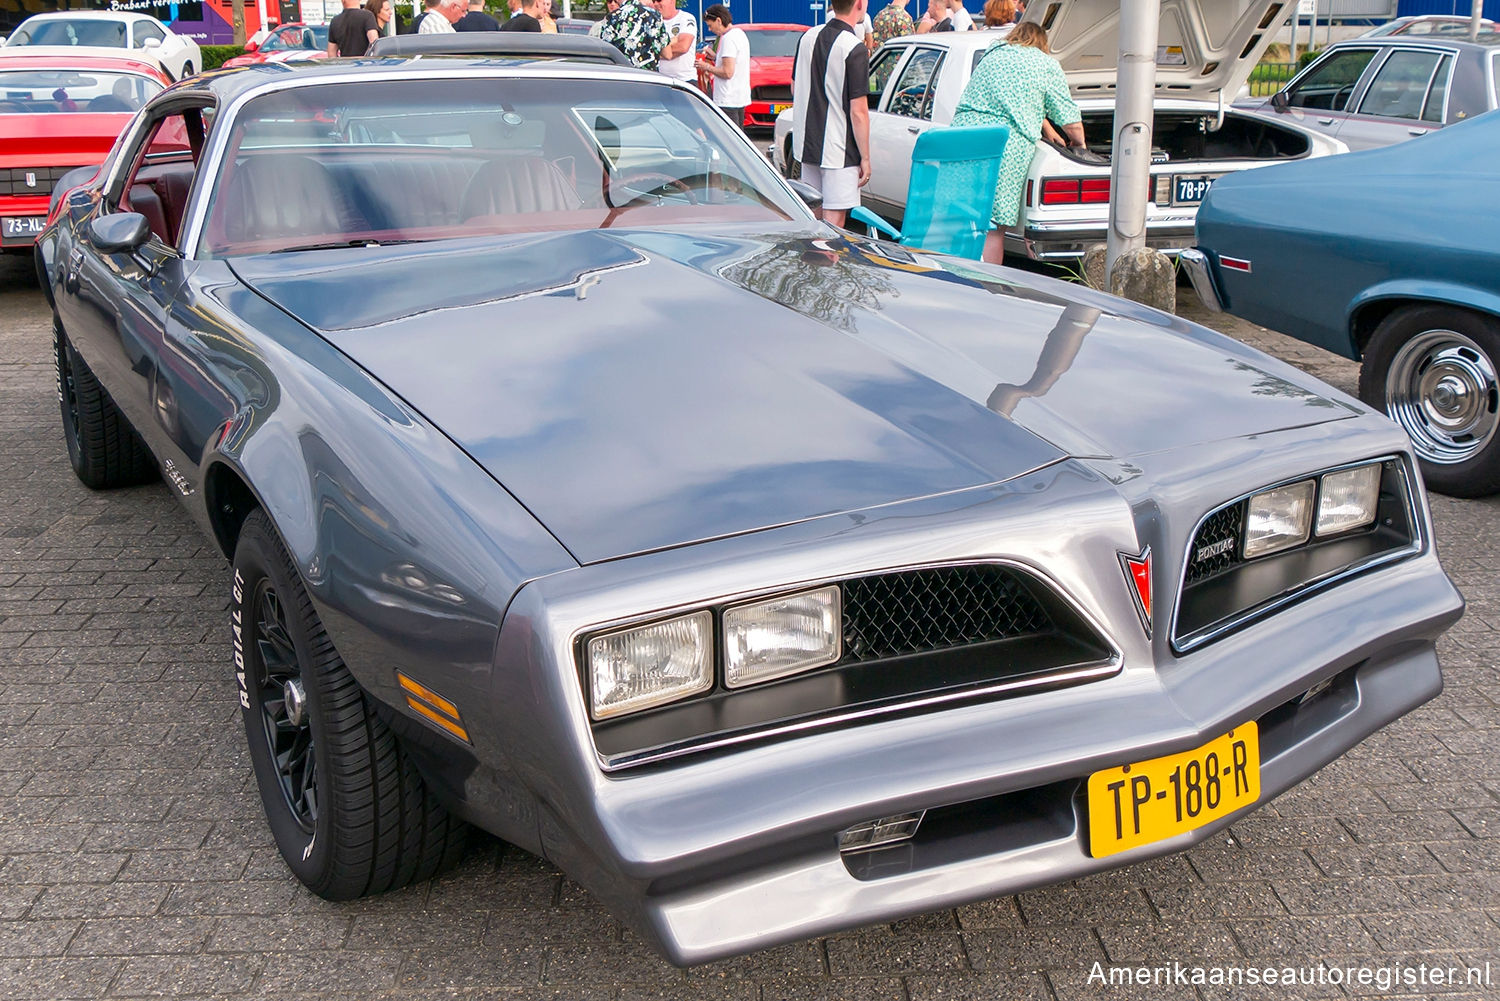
(58,113)
(772,49)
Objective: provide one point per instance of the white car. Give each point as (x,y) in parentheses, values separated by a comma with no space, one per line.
(1206,51)
(144,35)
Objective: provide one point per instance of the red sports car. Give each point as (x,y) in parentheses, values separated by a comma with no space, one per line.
(288,43)
(57,113)
(772,49)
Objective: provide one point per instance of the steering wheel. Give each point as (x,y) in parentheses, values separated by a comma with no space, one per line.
(1341,97)
(657,181)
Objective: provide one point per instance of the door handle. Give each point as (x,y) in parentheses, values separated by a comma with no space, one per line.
(1416,132)
(1325,121)
(913,129)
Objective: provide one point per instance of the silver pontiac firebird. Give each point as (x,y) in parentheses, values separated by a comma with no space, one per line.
(579,485)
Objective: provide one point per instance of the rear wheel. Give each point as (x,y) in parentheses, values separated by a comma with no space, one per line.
(346,806)
(1433,370)
(103,448)
(790,167)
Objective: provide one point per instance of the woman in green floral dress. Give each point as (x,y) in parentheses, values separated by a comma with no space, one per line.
(1019,85)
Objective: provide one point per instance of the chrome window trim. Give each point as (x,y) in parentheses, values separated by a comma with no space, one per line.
(195,215)
(1414,513)
(1109,666)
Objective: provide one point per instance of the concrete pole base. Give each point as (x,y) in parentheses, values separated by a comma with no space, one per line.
(1145,276)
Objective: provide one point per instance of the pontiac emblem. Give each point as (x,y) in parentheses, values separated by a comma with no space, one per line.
(30,179)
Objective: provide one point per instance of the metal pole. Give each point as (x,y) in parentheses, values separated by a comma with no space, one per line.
(1135,97)
(1474,20)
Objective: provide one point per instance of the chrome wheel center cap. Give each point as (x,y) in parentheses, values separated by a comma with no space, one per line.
(296,702)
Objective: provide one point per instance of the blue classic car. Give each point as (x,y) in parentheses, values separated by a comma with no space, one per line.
(1391,257)
(903,583)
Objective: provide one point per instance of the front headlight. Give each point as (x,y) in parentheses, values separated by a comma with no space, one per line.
(781,636)
(1279,519)
(1348,499)
(647,666)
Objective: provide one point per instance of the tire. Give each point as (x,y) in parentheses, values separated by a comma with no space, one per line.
(349,812)
(791,168)
(187,71)
(103,448)
(1433,370)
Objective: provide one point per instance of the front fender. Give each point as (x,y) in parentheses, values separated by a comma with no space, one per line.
(1420,290)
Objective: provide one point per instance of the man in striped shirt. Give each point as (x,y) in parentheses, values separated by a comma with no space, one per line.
(830,110)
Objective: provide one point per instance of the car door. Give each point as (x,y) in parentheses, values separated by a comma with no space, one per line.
(1320,97)
(1406,97)
(116,305)
(905,113)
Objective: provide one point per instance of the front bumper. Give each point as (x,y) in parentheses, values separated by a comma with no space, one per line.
(734,851)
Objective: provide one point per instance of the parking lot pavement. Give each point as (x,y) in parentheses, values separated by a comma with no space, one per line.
(134,861)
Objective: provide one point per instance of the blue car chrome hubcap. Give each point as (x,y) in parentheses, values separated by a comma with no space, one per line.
(1443,391)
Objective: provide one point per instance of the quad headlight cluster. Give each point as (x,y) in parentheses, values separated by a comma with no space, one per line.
(1287,516)
(641,667)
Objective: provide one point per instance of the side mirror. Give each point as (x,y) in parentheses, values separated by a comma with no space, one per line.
(119,232)
(252,47)
(1279,101)
(809,194)
(151,43)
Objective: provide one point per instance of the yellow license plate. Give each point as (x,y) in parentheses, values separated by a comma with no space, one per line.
(1151,800)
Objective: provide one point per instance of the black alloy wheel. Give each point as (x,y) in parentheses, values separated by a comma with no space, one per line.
(346,806)
(103,448)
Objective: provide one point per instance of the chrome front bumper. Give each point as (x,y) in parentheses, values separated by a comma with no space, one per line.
(1195,263)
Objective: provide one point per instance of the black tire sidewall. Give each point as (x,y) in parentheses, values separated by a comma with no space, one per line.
(1480,475)
(259,556)
(65,372)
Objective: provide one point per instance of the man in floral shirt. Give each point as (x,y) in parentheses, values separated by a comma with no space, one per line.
(636,29)
(893,22)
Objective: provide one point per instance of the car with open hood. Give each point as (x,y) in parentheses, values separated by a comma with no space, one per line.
(60,111)
(118,31)
(1204,55)
(904,582)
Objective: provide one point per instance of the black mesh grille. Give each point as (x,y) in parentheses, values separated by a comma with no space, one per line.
(30,180)
(772,93)
(924,610)
(1217,545)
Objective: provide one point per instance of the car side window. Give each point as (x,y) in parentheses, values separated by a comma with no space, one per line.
(162,168)
(881,68)
(1400,86)
(145,30)
(1329,84)
(912,96)
(1437,93)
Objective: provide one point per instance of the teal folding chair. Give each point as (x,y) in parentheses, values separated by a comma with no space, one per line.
(951,191)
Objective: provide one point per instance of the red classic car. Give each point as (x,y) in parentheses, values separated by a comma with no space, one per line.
(57,113)
(772,49)
(288,43)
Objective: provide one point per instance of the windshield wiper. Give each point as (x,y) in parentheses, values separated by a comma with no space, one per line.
(345,244)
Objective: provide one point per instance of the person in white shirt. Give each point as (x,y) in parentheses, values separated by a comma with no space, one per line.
(864,30)
(962,19)
(439,19)
(683,29)
(731,65)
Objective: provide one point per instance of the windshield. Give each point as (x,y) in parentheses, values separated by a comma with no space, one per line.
(366,162)
(773,42)
(59,31)
(41,92)
(308,36)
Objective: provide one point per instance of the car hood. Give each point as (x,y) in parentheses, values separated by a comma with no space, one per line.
(641,390)
(1204,47)
(59,139)
(771,69)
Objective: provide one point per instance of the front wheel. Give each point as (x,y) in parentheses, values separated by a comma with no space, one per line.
(349,813)
(1433,370)
(103,448)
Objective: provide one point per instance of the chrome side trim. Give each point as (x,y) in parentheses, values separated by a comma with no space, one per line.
(1415,513)
(1195,263)
(1065,675)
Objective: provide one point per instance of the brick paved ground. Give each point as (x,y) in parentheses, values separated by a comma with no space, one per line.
(134,862)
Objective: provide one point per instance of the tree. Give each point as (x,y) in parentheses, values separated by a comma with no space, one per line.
(239,22)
